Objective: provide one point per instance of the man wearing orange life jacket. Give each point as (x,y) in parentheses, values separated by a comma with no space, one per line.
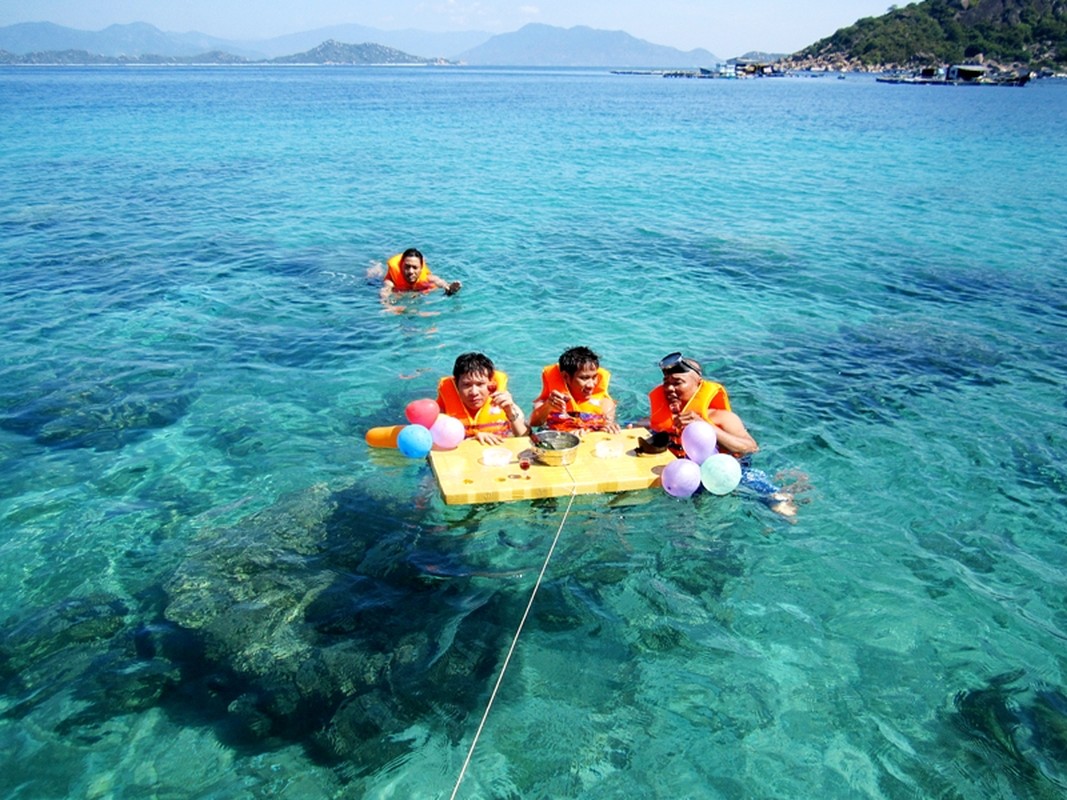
(574,394)
(684,397)
(407,272)
(476,394)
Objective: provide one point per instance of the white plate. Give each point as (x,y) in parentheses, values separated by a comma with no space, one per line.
(496,457)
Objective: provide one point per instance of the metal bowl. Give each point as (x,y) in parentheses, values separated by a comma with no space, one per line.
(555,448)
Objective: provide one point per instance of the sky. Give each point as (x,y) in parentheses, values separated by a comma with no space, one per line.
(725,27)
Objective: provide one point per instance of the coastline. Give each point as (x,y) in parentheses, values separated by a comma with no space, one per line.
(839,62)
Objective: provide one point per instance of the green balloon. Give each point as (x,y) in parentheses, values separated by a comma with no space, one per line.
(720,473)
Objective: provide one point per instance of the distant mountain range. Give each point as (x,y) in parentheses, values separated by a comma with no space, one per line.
(329,52)
(532,45)
(135,39)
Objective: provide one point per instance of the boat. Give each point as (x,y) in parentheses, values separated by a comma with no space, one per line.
(920,76)
(957,75)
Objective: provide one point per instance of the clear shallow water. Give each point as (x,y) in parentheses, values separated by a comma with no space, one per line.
(212,588)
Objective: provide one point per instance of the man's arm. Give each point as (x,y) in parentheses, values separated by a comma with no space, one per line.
(441,283)
(731,433)
(608,406)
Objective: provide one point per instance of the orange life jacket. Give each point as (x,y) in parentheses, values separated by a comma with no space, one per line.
(586,415)
(709,396)
(488,419)
(400,284)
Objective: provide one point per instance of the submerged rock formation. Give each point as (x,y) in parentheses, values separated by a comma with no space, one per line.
(313,621)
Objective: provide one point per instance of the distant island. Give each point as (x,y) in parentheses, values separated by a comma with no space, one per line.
(329,52)
(532,45)
(1009,34)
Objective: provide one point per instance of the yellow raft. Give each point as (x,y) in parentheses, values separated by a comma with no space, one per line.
(604,462)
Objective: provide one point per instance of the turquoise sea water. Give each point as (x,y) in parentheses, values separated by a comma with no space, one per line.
(210,587)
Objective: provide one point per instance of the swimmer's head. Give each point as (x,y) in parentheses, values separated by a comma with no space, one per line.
(681,379)
(411,264)
(473,374)
(579,366)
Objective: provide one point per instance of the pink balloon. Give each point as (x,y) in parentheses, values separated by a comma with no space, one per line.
(447,432)
(699,441)
(422,412)
(681,477)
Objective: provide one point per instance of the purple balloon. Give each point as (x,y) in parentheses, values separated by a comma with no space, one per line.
(699,441)
(447,432)
(681,477)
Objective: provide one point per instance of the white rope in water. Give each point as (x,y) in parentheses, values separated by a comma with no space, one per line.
(515,638)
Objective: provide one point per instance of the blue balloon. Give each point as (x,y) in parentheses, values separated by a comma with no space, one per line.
(414,441)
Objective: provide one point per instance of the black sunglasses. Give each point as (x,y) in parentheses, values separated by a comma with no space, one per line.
(676,362)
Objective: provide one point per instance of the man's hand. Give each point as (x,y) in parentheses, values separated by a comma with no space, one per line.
(558,400)
(683,419)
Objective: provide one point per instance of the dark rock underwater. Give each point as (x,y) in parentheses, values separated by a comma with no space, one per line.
(306,622)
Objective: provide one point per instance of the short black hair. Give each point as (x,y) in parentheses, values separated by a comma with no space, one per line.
(472,364)
(411,251)
(572,360)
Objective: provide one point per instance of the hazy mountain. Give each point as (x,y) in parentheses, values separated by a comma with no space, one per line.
(532,45)
(333,52)
(330,52)
(429,45)
(82,57)
(135,39)
(759,55)
(141,38)
(537,45)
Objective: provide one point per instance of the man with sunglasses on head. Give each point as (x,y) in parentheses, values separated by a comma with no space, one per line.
(685,396)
